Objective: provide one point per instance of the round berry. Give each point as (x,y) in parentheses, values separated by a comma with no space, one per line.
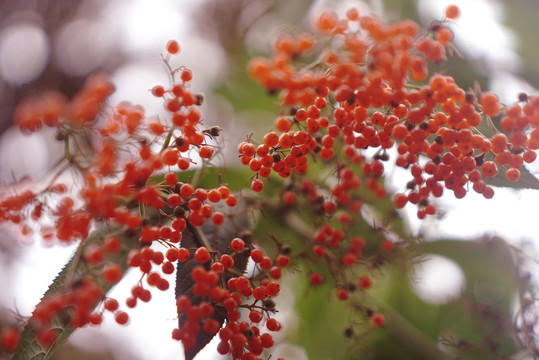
(378,320)
(202,255)
(237,244)
(257,185)
(173,47)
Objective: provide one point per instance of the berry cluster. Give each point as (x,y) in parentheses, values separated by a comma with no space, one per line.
(352,95)
(357,98)
(364,91)
(131,183)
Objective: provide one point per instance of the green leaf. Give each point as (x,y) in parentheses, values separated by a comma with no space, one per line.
(492,283)
(235,178)
(485,260)
(527,180)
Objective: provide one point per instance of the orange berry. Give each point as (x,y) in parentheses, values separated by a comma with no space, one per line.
(529,156)
(170,157)
(327,21)
(173,47)
(499,143)
(512,174)
(489,168)
(352,14)
(452,12)
(490,104)
(205,152)
(202,255)
(257,185)
(158,91)
(186,75)
(444,35)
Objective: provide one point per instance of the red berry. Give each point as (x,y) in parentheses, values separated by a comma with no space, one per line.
(266,263)
(112,244)
(378,320)
(183,254)
(112,273)
(237,244)
(167,267)
(343,294)
(202,255)
(452,12)
(283,261)
(218,218)
(223,348)
(93,254)
(226,262)
(173,47)
(273,325)
(172,254)
(275,273)
(10,339)
(186,190)
(255,316)
(257,185)
(111,304)
(121,318)
(158,91)
(316,279)
(257,255)
(365,282)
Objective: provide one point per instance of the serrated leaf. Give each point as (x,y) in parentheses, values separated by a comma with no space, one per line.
(29,348)
(219,238)
(527,180)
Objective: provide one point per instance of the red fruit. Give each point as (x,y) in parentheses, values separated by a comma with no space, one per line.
(112,244)
(10,339)
(257,185)
(121,318)
(218,218)
(316,279)
(343,294)
(283,261)
(186,190)
(365,282)
(452,12)
(255,316)
(183,254)
(158,91)
(111,304)
(273,325)
(257,255)
(275,273)
(237,244)
(172,254)
(378,320)
(173,47)
(93,254)
(112,273)
(202,255)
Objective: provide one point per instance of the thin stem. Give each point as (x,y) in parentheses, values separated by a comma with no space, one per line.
(199,236)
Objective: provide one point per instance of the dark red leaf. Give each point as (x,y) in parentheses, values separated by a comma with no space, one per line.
(219,238)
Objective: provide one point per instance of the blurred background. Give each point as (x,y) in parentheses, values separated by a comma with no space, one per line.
(55,45)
